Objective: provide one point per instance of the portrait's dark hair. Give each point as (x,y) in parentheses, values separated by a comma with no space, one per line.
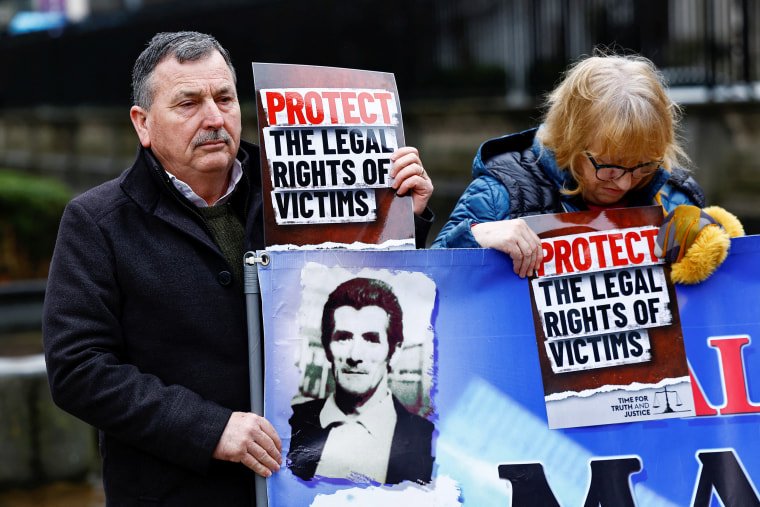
(183,46)
(358,293)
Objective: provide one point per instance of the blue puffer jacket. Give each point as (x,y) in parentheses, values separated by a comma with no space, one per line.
(515,176)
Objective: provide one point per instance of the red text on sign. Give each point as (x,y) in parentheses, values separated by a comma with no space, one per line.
(328,107)
(598,251)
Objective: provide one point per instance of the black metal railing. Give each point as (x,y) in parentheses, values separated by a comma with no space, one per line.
(694,42)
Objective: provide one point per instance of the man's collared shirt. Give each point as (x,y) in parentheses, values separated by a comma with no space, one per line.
(358,444)
(190,195)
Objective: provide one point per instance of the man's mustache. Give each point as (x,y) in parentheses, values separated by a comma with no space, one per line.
(212,135)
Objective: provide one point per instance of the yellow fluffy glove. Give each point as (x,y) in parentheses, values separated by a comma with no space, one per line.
(696,241)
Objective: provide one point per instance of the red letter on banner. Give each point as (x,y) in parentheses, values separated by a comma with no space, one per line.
(734,377)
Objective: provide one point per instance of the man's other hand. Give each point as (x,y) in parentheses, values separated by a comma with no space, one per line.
(251,440)
(410,178)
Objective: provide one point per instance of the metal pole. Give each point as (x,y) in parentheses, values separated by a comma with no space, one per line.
(255,352)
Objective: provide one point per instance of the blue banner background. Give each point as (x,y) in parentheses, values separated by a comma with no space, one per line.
(488,396)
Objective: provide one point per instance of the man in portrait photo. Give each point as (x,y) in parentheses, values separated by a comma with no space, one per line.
(361,430)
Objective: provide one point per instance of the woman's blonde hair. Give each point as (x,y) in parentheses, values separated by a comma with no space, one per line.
(617,103)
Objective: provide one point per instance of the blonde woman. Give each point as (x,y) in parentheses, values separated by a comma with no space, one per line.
(608,140)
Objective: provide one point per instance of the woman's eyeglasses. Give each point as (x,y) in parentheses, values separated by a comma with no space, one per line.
(611,172)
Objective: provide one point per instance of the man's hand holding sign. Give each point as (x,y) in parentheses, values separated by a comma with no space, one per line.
(409,177)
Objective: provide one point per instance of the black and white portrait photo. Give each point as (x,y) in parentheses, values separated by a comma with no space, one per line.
(363,407)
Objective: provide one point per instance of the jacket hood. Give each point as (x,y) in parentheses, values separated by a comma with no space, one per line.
(525,148)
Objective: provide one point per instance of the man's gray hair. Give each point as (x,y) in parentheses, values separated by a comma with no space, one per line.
(183,46)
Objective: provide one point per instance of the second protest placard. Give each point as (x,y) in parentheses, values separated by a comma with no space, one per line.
(606,317)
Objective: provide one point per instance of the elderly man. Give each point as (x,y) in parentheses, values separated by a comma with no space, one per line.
(144,325)
(361,431)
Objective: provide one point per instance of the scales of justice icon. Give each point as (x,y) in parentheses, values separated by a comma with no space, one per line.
(664,396)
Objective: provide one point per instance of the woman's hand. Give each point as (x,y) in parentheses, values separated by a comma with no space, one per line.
(514,238)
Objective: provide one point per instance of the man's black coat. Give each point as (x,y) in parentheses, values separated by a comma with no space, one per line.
(145,335)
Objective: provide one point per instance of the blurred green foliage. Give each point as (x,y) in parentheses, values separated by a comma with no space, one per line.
(30,210)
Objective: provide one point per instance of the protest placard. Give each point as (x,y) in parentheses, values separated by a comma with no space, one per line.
(606,318)
(326,137)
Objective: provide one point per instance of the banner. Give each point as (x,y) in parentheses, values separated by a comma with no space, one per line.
(326,136)
(468,369)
